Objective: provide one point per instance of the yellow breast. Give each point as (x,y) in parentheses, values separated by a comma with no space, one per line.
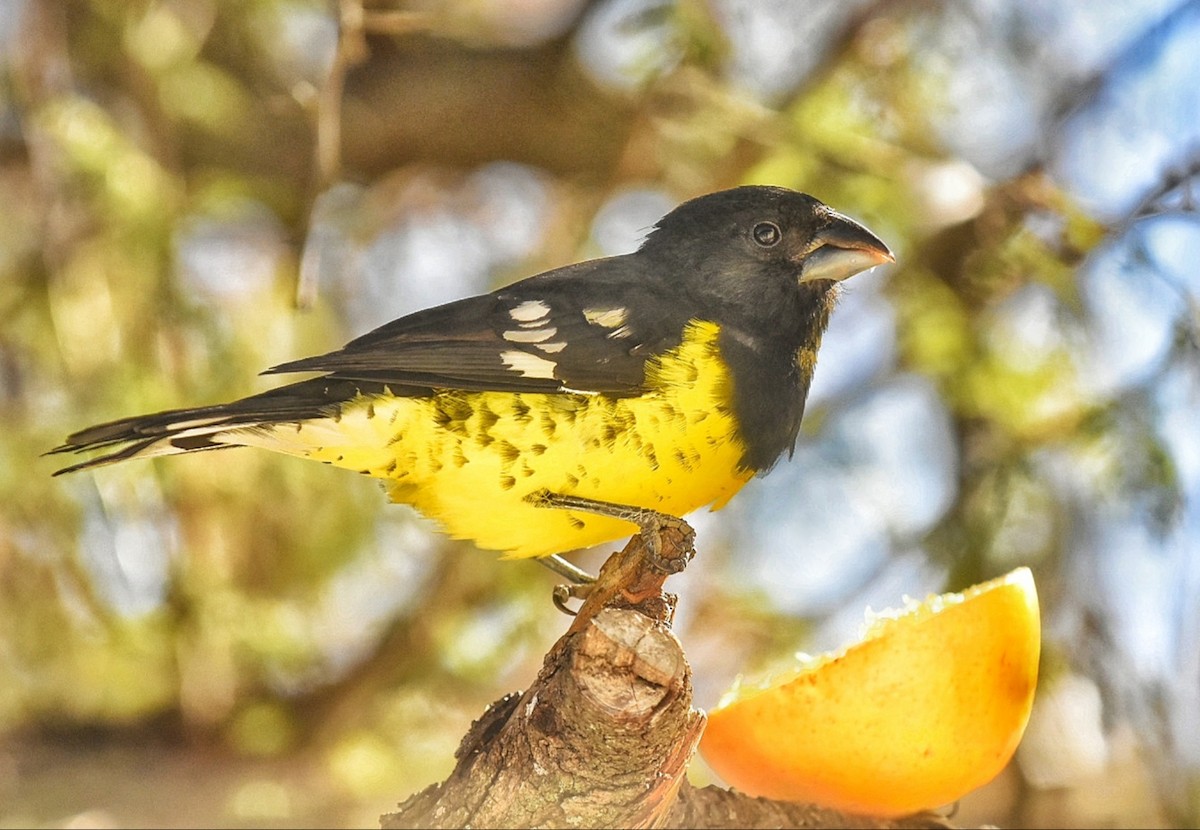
(469,460)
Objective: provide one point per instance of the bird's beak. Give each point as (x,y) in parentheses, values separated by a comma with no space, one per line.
(842,249)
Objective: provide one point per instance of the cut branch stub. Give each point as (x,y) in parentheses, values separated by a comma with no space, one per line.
(601,738)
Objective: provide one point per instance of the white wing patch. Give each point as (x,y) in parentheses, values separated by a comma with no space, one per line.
(530,335)
(529,311)
(529,365)
(609,318)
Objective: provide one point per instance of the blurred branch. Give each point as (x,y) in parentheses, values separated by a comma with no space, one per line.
(351,49)
(604,735)
(41,74)
(354,24)
(393,22)
(1181,179)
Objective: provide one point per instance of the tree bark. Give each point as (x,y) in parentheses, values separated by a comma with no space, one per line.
(603,736)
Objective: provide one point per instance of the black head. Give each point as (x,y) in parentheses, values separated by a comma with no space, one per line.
(751,247)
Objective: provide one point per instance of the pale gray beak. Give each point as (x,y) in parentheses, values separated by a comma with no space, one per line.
(842,249)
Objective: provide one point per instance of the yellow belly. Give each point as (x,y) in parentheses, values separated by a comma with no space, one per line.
(469,460)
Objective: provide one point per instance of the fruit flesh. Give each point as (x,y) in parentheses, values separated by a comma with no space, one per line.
(928,707)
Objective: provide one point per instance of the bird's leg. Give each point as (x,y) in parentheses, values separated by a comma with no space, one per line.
(651,522)
(579,586)
(567,570)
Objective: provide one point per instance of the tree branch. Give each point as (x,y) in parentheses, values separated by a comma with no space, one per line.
(603,736)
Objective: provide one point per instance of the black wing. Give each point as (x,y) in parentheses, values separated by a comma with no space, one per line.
(588,327)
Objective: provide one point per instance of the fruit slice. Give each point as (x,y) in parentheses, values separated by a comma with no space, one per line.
(930,705)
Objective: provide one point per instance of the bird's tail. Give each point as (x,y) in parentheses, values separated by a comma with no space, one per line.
(208,427)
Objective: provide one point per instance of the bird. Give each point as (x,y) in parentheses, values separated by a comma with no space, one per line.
(558,412)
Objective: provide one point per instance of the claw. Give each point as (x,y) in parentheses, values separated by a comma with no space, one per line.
(562,594)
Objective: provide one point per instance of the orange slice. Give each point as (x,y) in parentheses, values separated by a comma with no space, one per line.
(930,705)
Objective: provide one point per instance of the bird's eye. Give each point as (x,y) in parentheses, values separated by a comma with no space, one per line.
(767,234)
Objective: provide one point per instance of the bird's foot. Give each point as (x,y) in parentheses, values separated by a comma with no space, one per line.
(578,587)
(659,531)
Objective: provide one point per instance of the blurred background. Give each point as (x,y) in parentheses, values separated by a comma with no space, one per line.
(194,190)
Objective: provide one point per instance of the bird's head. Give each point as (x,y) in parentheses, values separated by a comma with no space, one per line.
(758,245)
